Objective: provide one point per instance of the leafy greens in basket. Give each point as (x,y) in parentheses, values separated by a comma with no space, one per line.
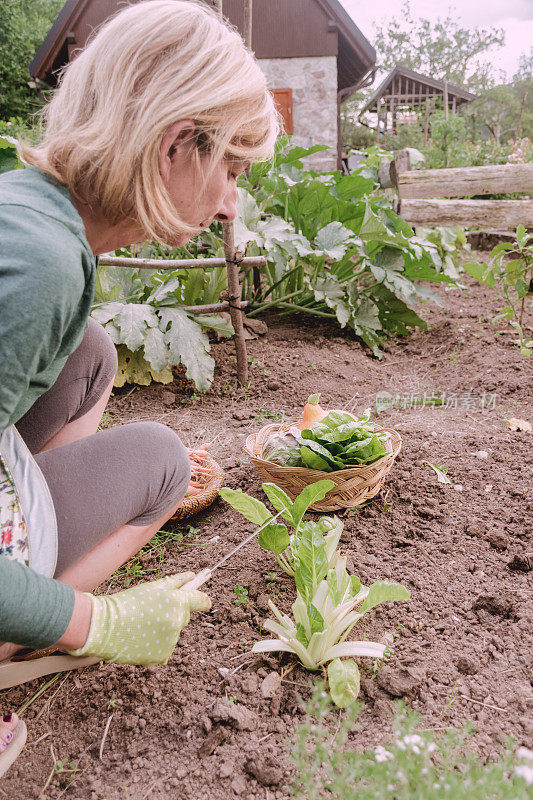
(337,440)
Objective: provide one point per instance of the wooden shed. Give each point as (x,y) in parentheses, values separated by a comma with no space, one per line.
(311,51)
(403,90)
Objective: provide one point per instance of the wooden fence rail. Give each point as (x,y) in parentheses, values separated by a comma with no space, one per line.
(420,193)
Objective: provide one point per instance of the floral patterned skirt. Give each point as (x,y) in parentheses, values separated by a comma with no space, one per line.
(28,525)
(13,527)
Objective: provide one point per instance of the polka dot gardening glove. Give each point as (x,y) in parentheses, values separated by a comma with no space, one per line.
(142,625)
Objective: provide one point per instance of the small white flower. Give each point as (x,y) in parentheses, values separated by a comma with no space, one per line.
(413,738)
(524,754)
(525,772)
(382,755)
(432,747)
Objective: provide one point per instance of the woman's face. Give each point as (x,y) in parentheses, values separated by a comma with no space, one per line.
(201,195)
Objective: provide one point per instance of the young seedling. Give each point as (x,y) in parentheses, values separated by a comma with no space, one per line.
(329,602)
(241,595)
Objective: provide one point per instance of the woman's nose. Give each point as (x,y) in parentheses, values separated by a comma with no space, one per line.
(228,209)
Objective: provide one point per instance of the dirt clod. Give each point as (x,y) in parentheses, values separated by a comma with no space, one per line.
(237,715)
(499,605)
(212,741)
(400,682)
(270,684)
(522,562)
(498,540)
(467,664)
(267,772)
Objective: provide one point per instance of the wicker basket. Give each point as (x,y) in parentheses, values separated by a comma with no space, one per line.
(353,486)
(207,472)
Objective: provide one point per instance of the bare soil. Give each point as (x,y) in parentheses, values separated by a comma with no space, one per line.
(464,643)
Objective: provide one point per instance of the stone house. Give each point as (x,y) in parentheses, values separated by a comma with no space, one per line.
(311,51)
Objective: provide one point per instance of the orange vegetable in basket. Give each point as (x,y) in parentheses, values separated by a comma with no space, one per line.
(313,413)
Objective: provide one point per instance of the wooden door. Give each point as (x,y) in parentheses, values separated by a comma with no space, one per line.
(283,102)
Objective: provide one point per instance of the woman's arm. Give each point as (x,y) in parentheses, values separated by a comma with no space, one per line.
(36,611)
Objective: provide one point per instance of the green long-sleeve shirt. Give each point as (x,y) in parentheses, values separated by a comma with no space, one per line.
(47,275)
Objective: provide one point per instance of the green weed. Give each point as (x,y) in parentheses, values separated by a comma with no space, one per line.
(413,763)
(241,596)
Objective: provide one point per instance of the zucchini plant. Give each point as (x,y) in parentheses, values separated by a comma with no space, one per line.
(329,601)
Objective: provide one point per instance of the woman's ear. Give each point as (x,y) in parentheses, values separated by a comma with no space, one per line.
(175,142)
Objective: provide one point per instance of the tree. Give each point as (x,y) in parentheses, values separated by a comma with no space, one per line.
(23,26)
(440,49)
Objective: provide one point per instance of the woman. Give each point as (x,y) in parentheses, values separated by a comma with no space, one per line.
(145,137)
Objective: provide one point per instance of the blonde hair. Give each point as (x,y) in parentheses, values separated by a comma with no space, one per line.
(152,64)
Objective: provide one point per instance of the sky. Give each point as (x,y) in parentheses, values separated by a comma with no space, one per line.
(514,16)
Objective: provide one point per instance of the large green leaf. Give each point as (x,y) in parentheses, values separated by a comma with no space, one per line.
(313,460)
(216,323)
(274,538)
(106,311)
(133,368)
(311,494)
(280,500)
(381,592)
(188,345)
(254,510)
(333,239)
(311,563)
(344,681)
(155,349)
(479,272)
(133,321)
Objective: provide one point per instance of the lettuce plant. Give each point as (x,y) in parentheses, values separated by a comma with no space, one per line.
(329,601)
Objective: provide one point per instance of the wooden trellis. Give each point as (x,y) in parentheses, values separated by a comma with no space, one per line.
(233,304)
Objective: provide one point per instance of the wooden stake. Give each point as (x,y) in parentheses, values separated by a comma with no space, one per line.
(247,33)
(234,291)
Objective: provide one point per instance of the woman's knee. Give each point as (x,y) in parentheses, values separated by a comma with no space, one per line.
(166,464)
(98,351)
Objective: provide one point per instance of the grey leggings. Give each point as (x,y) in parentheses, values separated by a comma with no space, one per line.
(132,474)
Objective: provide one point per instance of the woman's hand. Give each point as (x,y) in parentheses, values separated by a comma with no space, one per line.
(142,625)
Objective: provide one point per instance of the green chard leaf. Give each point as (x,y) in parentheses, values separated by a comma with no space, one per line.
(311,494)
(254,510)
(281,501)
(311,563)
(312,460)
(316,620)
(381,592)
(344,681)
(274,538)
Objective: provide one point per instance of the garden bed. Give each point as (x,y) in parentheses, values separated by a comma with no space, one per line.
(464,642)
